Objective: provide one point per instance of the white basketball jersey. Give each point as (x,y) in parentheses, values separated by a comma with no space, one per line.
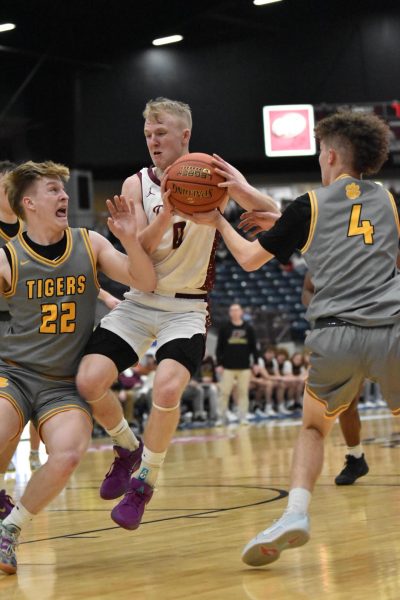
(184,259)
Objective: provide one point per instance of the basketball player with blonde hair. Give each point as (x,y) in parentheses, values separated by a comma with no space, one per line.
(48,276)
(10,226)
(175,315)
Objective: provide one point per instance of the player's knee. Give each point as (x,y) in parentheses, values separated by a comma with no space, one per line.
(67,461)
(93,383)
(318,429)
(167,395)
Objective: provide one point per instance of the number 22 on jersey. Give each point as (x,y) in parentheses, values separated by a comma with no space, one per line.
(360,227)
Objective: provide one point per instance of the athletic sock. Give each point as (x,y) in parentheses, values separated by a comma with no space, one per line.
(299,500)
(150,466)
(355,451)
(18,517)
(123,436)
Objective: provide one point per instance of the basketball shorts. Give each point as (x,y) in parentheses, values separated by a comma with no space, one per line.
(36,397)
(140,325)
(342,357)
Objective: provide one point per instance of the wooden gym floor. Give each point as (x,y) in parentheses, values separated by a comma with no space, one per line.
(218,489)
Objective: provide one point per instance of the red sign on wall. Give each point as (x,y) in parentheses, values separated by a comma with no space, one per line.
(289,130)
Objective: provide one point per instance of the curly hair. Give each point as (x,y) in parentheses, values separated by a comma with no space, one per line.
(16,182)
(365,137)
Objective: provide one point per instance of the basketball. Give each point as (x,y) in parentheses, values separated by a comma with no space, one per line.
(194,184)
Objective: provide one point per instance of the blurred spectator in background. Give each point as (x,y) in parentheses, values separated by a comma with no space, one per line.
(236,350)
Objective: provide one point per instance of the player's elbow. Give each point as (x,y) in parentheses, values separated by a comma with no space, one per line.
(248,265)
(251,263)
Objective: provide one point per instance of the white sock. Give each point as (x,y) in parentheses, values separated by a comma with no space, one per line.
(18,517)
(150,466)
(355,451)
(122,435)
(299,499)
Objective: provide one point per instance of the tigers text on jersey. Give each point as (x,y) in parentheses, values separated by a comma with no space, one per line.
(351,253)
(184,259)
(52,306)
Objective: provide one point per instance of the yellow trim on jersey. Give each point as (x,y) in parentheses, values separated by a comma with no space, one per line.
(8,238)
(328,414)
(313,222)
(14,271)
(396,212)
(342,176)
(46,261)
(19,411)
(60,409)
(88,244)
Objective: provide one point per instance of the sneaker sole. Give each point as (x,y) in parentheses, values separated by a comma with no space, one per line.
(263,553)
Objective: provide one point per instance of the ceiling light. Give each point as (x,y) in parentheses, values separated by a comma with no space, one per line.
(262,2)
(171,39)
(6,26)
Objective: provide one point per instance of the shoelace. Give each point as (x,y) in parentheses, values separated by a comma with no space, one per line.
(114,465)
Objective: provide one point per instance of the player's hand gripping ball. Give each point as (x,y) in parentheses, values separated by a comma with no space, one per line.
(194,184)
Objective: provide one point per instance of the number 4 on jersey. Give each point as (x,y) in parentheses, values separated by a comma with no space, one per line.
(358,227)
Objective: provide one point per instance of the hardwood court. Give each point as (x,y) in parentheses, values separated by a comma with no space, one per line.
(219,488)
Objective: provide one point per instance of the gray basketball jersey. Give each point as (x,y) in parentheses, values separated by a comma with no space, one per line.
(52,306)
(351,253)
(3,239)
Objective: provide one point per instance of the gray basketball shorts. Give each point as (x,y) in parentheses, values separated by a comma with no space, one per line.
(342,357)
(36,397)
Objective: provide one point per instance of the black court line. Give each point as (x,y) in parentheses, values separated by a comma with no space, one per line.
(281,494)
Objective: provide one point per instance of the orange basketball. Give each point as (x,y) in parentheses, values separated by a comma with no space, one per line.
(194,184)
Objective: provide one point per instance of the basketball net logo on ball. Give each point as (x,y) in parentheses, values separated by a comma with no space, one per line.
(194,184)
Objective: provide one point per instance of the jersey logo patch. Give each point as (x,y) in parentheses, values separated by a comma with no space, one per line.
(3,382)
(353,191)
(23,262)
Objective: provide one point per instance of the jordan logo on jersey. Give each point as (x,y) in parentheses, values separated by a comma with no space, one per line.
(150,192)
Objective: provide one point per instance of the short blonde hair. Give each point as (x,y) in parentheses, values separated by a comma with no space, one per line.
(179,109)
(21,178)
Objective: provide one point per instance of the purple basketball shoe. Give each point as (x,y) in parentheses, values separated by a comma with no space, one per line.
(116,482)
(6,504)
(129,512)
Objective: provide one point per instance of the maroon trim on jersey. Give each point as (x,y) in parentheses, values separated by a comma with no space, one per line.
(192,296)
(139,174)
(210,277)
(153,176)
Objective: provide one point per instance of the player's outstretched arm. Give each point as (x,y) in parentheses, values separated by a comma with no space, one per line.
(135,268)
(249,255)
(240,190)
(257,221)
